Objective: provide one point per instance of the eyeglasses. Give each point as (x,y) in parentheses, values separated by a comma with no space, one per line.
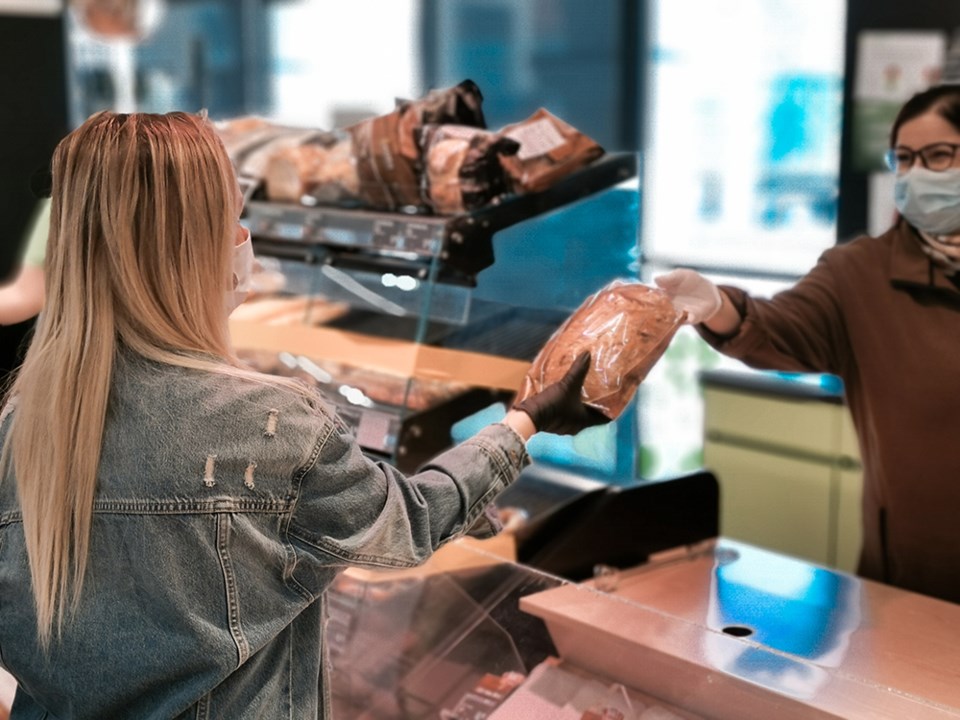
(937,157)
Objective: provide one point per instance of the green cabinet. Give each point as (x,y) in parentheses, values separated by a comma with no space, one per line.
(789,472)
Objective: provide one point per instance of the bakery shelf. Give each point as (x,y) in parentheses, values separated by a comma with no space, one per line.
(461,245)
(419,298)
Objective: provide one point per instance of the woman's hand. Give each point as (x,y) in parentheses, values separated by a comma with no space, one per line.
(701,300)
(691,293)
(558,408)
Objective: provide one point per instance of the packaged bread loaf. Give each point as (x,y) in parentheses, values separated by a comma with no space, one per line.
(386,150)
(550,149)
(626,327)
(321,170)
(462,167)
(251,141)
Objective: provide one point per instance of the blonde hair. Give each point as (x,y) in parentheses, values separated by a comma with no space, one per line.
(143,220)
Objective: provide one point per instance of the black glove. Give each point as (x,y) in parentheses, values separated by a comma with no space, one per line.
(558,408)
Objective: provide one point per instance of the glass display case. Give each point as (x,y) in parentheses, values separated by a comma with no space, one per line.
(717,629)
(420,327)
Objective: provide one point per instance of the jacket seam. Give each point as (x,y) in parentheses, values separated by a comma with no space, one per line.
(173,507)
(290,562)
(230,586)
(290,661)
(289,566)
(326,666)
(493,454)
(203,708)
(302,472)
(337,552)
(480,505)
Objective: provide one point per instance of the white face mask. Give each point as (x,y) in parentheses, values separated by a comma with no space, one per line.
(930,201)
(242,268)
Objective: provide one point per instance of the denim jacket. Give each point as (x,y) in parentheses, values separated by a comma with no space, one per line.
(224,509)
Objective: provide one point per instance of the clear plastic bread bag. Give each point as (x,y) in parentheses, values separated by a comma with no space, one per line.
(626,327)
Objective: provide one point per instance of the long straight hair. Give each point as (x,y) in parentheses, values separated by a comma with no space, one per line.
(143,220)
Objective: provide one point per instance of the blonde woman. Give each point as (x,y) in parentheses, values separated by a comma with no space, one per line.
(169,520)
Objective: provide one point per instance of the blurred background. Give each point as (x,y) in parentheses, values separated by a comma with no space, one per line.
(736,110)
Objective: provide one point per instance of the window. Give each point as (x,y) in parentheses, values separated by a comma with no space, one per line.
(743,125)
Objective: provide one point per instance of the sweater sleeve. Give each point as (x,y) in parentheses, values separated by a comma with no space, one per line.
(800,329)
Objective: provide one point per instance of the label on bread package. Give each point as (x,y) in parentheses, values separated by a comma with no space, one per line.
(537,138)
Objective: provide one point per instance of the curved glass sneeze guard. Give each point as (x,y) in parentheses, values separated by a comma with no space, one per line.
(433,640)
(721,630)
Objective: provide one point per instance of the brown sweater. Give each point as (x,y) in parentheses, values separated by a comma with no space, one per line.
(878,313)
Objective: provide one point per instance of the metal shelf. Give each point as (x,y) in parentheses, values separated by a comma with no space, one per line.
(460,245)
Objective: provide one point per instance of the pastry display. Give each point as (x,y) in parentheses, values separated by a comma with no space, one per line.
(322,170)
(252,141)
(432,154)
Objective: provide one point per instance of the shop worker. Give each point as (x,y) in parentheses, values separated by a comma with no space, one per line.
(169,520)
(883,313)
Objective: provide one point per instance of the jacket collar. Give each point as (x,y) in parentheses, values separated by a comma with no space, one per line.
(913,268)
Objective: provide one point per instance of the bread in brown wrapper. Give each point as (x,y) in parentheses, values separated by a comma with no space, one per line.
(320,170)
(626,327)
(550,149)
(386,150)
(462,167)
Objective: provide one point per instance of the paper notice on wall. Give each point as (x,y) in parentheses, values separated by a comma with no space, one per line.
(891,66)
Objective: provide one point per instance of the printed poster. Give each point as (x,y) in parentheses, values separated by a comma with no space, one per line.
(891,66)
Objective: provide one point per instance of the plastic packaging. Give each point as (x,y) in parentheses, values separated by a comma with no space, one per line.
(550,149)
(462,167)
(386,149)
(320,171)
(626,326)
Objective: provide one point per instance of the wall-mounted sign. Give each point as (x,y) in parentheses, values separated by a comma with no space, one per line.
(891,66)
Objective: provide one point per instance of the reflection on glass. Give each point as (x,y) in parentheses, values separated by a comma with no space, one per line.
(805,614)
(436,636)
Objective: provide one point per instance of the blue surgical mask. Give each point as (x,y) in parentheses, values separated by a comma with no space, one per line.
(929,200)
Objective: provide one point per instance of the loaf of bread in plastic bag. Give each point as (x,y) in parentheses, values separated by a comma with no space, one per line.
(626,327)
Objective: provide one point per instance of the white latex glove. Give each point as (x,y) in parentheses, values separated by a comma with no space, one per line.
(692,293)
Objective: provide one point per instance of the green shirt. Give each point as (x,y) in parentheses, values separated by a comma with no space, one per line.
(36,249)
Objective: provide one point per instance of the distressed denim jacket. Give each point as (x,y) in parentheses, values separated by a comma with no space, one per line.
(224,509)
